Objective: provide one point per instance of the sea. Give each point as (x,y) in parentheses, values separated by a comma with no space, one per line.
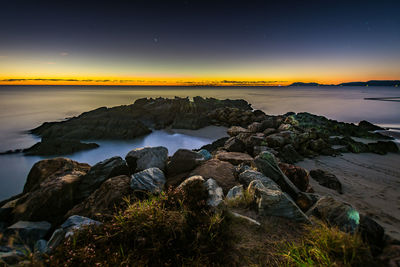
(25,107)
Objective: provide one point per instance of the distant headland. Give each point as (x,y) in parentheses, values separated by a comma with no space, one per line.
(395,83)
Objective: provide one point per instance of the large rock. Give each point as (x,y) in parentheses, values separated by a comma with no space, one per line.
(327,179)
(235,130)
(382,147)
(267,164)
(215,194)
(28,232)
(367,126)
(50,168)
(235,158)
(148,157)
(105,199)
(276,203)
(99,173)
(336,213)
(184,160)
(234,144)
(296,174)
(248,176)
(51,200)
(194,190)
(75,223)
(215,145)
(235,192)
(275,140)
(289,154)
(372,233)
(151,180)
(221,171)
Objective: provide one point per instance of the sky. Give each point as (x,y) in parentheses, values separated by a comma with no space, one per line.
(198,42)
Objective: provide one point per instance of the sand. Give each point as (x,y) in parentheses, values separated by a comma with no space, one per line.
(371,183)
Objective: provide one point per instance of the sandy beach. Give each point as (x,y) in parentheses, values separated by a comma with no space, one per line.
(370,183)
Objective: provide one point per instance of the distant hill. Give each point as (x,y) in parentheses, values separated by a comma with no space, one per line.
(373,83)
(305,84)
(369,83)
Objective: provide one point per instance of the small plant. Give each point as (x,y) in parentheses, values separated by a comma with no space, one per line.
(328,246)
(245,201)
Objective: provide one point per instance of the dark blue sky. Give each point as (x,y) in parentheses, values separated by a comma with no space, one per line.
(209,39)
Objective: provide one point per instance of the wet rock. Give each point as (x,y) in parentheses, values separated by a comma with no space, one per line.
(235,192)
(105,199)
(99,173)
(184,160)
(235,158)
(221,171)
(248,176)
(215,194)
(150,180)
(336,213)
(234,144)
(327,179)
(147,157)
(28,232)
(58,146)
(296,174)
(50,168)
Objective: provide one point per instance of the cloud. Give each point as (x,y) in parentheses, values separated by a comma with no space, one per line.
(50,63)
(64,54)
(3,56)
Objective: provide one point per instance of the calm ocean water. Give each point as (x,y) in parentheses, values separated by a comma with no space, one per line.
(25,107)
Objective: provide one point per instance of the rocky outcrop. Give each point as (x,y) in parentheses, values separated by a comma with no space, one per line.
(327,179)
(222,172)
(184,160)
(105,200)
(150,180)
(57,146)
(147,157)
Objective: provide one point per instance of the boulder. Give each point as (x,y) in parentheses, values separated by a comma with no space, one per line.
(296,174)
(215,194)
(50,168)
(318,145)
(383,147)
(235,192)
(336,213)
(235,158)
(184,160)
(255,127)
(234,144)
(221,171)
(51,200)
(372,233)
(277,203)
(267,164)
(28,232)
(99,173)
(248,176)
(327,179)
(235,130)
(275,140)
(151,180)
(55,240)
(105,199)
(148,157)
(269,131)
(206,155)
(75,223)
(40,246)
(289,154)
